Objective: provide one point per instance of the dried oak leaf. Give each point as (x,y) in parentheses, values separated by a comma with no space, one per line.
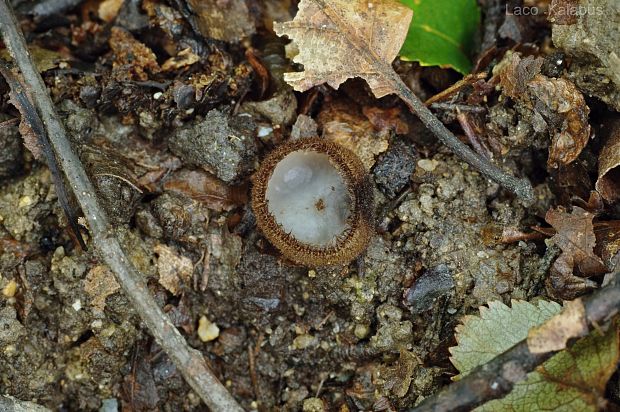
(342,39)
(575,236)
(608,183)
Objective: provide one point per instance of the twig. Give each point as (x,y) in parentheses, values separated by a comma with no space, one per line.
(456,87)
(468,125)
(455,107)
(496,378)
(189,362)
(521,187)
(252,370)
(29,114)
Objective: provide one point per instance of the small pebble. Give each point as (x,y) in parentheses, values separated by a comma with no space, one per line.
(25,201)
(313,405)
(428,164)
(207,331)
(361,331)
(10,289)
(304,341)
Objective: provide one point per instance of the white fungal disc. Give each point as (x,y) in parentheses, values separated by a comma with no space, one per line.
(308,198)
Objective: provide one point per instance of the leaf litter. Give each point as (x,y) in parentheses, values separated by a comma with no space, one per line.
(573,379)
(165,72)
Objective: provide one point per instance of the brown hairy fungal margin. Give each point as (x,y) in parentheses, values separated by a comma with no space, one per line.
(348,245)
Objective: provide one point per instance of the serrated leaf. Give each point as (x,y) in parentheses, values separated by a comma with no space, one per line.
(497,329)
(572,380)
(442,33)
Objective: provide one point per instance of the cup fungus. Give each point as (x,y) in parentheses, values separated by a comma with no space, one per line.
(313,201)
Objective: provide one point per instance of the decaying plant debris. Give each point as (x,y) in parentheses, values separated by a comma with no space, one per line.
(171,106)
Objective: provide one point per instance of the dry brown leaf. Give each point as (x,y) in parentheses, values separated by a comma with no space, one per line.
(397,378)
(183,58)
(608,183)
(563,104)
(557,102)
(553,334)
(99,284)
(43,59)
(607,241)
(514,77)
(575,236)
(227,20)
(343,123)
(386,119)
(132,58)
(205,188)
(31,140)
(108,10)
(173,268)
(342,39)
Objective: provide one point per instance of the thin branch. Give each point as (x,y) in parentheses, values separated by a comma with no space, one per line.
(452,107)
(29,114)
(520,187)
(189,362)
(497,377)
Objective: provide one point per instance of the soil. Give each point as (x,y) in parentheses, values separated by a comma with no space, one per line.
(171,117)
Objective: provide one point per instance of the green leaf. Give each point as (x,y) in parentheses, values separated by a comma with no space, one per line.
(572,380)
(442,33)
(497,329)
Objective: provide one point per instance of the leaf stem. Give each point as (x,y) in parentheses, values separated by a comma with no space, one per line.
(520,187)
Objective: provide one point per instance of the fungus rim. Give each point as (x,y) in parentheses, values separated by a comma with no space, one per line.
(352,242)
